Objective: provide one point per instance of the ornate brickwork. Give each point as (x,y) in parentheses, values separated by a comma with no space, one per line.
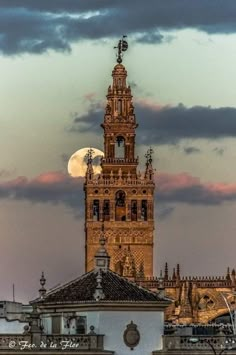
(196,299)
(120,199)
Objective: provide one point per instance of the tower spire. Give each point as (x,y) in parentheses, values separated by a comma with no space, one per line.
(149,172)
(119,194)
(89,157)
(166,277)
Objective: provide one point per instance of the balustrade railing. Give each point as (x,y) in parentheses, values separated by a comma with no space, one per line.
(119,161)
(199,342)
(13,341)
(116,181)
(22,342)
(80,342)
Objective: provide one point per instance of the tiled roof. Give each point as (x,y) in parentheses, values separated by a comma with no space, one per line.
(115,289)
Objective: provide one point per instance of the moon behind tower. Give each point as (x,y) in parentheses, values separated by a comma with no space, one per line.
(77,164)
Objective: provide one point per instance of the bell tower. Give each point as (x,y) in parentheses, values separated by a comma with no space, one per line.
(120,201)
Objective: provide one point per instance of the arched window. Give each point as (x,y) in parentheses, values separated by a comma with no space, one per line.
(120,147)
(120,206)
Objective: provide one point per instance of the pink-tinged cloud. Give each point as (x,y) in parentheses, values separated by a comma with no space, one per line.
(170,182)
(50,178)
(222,189)
(149,104)
(188,189)
(52,187)
(57,187)
(90,96)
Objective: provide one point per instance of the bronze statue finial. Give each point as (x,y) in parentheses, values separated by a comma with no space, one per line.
(122,47)
(89,155)
(148,156)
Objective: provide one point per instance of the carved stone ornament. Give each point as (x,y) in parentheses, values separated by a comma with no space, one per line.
(131,335)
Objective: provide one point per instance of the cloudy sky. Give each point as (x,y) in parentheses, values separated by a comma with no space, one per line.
(56,59)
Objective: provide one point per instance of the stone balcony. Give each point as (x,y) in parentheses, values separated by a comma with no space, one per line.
(122,161)
(199,344)
(122,181)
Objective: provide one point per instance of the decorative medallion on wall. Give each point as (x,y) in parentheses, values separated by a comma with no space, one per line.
(131,335)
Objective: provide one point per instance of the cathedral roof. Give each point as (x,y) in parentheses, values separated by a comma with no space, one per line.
(114,289)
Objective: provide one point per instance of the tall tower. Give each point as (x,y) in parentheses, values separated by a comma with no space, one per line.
(120,200)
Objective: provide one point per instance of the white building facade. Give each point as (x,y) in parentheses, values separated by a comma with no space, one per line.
(102,302)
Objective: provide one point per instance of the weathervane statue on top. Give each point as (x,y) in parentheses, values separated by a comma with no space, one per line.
(122,47)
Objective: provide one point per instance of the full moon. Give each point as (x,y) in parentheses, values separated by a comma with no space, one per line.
(77,164)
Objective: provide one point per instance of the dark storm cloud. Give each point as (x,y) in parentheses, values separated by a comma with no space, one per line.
(163,211)
(53,187)
(35,26)
(219,151)
(90,121)
(65,158)
(191,150)
(148,38)
(169,125)
(23,31)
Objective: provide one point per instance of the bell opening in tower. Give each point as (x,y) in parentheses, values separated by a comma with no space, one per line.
(120,147)
(120,206)
(106,210)
(134,210)
(96,210)
(144,210)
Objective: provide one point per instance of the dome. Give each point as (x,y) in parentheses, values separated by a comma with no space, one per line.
(119,69)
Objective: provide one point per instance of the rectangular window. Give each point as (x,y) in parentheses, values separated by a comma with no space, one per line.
(81,325)
(56,324)
(96,210)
